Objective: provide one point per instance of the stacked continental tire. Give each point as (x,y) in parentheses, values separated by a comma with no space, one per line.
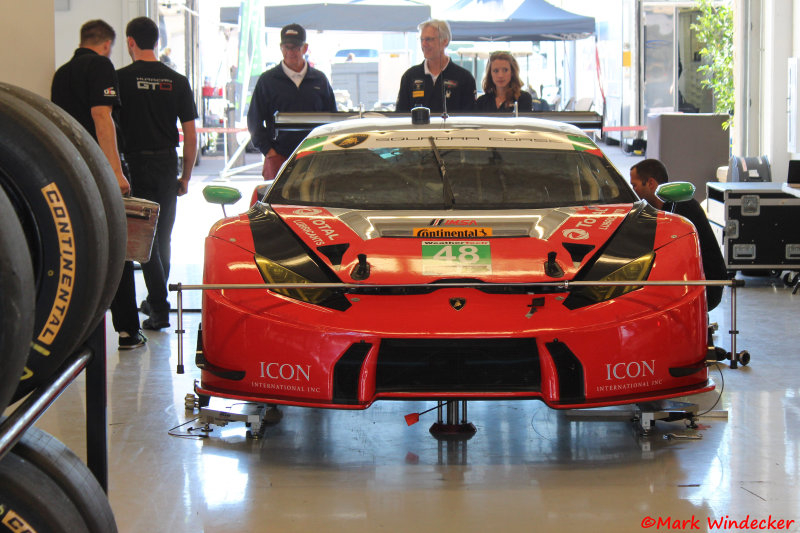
(62,249)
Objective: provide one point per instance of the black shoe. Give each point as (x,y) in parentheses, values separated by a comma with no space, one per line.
(129,342)
(155,322)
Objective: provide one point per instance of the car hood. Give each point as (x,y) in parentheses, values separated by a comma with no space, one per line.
(506,246)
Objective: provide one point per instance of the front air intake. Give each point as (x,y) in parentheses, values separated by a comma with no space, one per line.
(458,365)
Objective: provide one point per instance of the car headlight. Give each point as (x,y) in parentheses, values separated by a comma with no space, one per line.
(274,273)
(636,270)
(627,256)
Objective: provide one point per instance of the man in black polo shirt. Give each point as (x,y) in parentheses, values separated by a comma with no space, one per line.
(154,99)
(86,87)
(437,79)
(293,85)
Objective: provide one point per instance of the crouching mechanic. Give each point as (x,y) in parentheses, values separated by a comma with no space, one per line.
(646,176)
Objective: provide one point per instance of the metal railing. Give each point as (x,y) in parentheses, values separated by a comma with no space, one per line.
(564,285)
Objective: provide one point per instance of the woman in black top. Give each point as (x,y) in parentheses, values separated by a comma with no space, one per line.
(502,86)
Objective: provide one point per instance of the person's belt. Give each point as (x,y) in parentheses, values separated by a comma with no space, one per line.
(163,151)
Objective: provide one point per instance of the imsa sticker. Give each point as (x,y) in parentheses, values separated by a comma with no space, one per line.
(450,258)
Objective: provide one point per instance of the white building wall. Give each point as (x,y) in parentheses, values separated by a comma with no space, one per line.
(68,23)
(26,53)
(796,47)
(777,43)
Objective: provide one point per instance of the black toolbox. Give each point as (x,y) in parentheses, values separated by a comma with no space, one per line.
(756,223)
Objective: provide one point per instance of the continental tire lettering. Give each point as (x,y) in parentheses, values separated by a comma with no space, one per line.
(66,273)
(27,373)
(15,523)
(41,349)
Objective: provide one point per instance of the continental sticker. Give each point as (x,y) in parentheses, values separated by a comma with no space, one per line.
(452,233)
(66,270)
(456,258)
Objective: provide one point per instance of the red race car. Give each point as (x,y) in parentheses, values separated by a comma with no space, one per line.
(456,259)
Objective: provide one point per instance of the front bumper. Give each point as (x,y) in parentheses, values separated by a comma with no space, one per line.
(258,346)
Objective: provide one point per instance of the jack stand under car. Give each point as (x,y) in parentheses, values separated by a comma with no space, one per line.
(220,412)
(644,415)
(453,429)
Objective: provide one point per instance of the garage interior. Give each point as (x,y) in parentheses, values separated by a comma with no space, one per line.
(527,467)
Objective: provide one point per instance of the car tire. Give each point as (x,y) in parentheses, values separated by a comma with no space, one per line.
(74,478)
(60,208)
(31,501)
(104,178)
(17,300)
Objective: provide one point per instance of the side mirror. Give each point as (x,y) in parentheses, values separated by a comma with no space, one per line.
(678,191)
(222,195)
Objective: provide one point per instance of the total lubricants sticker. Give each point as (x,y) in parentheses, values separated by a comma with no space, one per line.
(456,258)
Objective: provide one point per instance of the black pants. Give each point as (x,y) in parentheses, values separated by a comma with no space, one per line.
(124,311)
(154,177)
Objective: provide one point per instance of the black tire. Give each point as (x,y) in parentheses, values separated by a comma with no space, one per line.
(56,199)
(105,180)
(74,478)
(17,300)
(31,501)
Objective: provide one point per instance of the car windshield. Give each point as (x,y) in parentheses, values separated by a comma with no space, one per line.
(468,178)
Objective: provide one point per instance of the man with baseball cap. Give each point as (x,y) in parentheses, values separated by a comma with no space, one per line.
(293,85)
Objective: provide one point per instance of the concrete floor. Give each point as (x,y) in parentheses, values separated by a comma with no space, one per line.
(527,468)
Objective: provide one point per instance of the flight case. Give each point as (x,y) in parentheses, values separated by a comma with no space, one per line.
(756,223)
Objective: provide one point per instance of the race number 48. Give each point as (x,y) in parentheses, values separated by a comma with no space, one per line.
(456,257)
(466,254)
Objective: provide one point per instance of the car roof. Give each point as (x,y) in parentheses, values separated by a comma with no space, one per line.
(358,52)
(376,121)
